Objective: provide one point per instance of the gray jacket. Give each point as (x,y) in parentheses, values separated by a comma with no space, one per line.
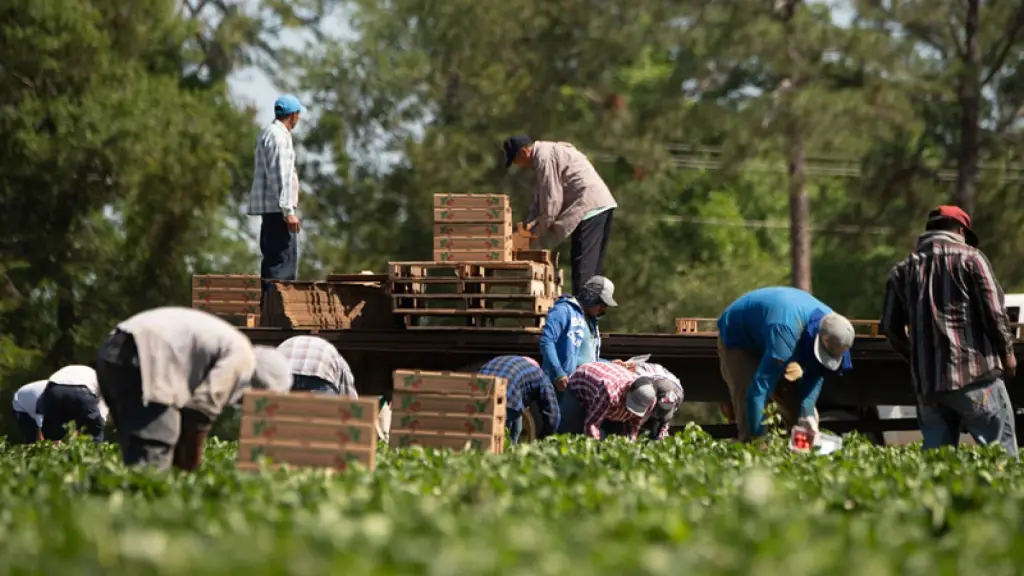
(188,358)
(568,187)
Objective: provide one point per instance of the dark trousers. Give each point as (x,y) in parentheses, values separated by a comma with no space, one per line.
(304,383)
(279,247)
(27,427)
(60,404)
(589,242)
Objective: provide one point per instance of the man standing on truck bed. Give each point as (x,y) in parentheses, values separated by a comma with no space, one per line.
(571,337)
(774,333)
(570,199)
(527,384)
(168,372)
(274,195)
(944,314)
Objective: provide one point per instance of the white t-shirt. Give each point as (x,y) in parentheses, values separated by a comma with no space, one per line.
(79,375)
(26,397)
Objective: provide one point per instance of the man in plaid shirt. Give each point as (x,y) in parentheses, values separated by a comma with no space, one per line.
(605,390)
(944,314)
(274,195)
(317,366)
(527,384)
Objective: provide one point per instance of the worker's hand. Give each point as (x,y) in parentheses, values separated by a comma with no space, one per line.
(1010,366)
(562,384)
(293,222)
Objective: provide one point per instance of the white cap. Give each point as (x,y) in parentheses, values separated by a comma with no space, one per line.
(640,398)
(76,375)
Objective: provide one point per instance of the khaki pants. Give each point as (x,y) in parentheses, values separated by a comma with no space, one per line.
(738,367)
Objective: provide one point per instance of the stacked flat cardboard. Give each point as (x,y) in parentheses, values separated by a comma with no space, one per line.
(233,297)
(307,430)
(327,306)
(448,410)
(472,228)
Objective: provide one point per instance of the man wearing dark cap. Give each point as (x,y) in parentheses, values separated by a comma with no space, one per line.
(274,195)
(571,199)
(944,314)
(570,337)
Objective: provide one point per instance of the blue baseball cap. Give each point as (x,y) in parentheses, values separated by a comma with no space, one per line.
(513,145)
(287,104)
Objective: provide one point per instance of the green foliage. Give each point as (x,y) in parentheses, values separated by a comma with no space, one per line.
(685,505)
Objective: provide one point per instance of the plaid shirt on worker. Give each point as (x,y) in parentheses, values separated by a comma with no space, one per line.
(527,383)
(946,296)
(275,182)
(601,388)
(312,356)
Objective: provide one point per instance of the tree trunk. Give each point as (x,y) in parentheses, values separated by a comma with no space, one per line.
(969,97)
(799,212)
(63,350)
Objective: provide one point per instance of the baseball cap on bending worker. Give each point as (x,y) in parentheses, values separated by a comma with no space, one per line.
(840,334)
(958,215)
(640,396)
(513,145)
(597,290)
(287,104)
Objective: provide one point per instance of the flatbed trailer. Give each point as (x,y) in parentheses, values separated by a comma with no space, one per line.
(880,377)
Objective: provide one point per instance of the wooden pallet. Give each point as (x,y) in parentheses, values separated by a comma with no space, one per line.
(495,320)
(211,294)
(442,304)
(221,281)
(220,308)
(709,326)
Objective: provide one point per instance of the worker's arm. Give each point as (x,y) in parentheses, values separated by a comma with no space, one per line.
(220,384)
(810,388)
(893,324)
(634,428)
(549,193)
(551,414)
(555,325)
(990,298)
(780,343)
(280,156)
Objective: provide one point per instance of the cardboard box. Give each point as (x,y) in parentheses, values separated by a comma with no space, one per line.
(471,201)
(501,229)
(295,454)
(502,255)
(457,383)
(473,215)
(487,442)
(447,423)
(472,242)
(307,431)
(306,405)
(419,403)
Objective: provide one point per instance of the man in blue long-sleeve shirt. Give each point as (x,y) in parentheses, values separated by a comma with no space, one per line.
(527,384)
(571,337)
(774,333)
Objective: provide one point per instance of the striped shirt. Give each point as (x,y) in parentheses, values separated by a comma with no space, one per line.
(944,313)
(527,384)
(601,388)
(275,182)
(312,356)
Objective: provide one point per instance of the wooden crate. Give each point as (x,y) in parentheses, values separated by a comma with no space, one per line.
(454,410)
(221,281)
(479,243)
(214,294)
(308,430)
(218,308)
(697,326)
(472,201)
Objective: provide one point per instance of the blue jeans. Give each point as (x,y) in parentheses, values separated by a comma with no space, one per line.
(984,410)
(514,424)
(280,249)
(303,383)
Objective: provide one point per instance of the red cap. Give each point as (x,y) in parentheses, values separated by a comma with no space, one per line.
(956,214)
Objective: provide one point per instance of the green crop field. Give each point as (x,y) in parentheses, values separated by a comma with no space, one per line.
(688,505)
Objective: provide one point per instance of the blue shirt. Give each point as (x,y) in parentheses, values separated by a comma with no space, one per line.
(779,324)
(526,384)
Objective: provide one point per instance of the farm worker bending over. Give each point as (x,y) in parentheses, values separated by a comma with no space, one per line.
(317,366)
(668,397)
(774,332)
(72,394)
(944,314)
(168,372)
(30,423)
(527,384)
(274,195)
(604,390)
(570,199)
